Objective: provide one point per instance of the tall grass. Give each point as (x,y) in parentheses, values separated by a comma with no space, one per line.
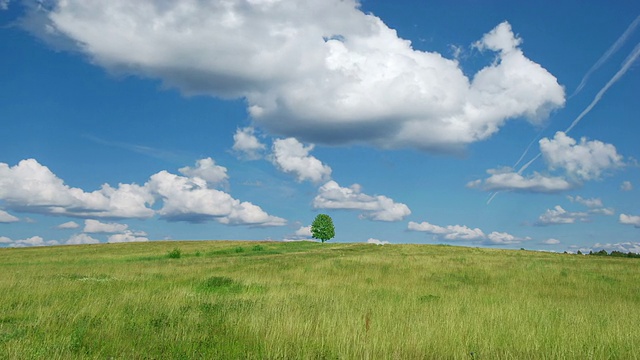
(247,300)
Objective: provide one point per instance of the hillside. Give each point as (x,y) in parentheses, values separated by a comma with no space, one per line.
(274,300)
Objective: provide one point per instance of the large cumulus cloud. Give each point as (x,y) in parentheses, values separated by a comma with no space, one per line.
(320,71)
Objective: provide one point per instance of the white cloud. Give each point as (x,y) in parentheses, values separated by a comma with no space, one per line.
(594,204)
(380,208)
(207,170)
(626,186)
(624,247)
(506,179)
(247,144)
(32,187)
(502,238)
(451,232)
(293,157)
(303,233)
(590,203)
(95,226)
(127,236)
(499,39)
(4,4)
(320,71)
(630,220)
(558,215)
(79,239)
(189,199)
(603,211)
(5,240)
(377,242)
(463,232)
(68,225)
(32,241)
(5,217)
(551,241)
(586,160)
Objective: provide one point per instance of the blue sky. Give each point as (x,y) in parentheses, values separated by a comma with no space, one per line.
(502,124)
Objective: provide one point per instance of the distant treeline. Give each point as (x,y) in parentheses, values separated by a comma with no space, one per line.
(613,253)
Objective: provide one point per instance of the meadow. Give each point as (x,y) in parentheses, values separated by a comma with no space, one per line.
(305,300)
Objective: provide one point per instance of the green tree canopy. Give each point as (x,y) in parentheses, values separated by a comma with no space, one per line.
(322,228)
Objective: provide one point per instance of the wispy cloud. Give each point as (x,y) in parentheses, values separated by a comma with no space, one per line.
(626,186)
(173,157)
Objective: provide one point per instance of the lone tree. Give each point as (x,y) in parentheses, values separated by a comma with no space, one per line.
(322,228)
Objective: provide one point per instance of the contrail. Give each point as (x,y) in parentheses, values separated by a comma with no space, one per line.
(625,66)
(529,146)
(607,54)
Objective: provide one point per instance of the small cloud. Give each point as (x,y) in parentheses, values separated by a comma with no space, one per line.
(379,207)
(5,217)
(450,232)
(291,156)
(625,247)
(207,170)
(550,241)
(28,242)
(584,160)
(127,236)
(630,220)
(68,225)
(192,200)
(558,215)
(626,186)
(95,226)
(377,242)
(456,51)
(4,4)
(502,238)
(247,145)
(505,179)
(603,211)
(303,233)
(79,239)
(590,203)
(463,232)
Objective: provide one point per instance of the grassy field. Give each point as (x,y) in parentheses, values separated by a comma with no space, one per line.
(270,300)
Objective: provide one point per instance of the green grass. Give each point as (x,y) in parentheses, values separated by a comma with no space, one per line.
(270,300)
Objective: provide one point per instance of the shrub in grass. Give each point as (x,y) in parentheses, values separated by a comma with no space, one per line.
(258,248)
(239,249)
(175,254)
